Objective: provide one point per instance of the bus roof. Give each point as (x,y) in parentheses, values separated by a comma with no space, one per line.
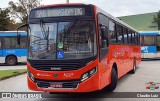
(149,33)
(12,33)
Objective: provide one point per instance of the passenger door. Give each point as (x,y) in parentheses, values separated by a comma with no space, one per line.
(103,53)
(103,31)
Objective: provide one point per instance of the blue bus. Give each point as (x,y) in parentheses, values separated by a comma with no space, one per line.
(10,52)
(150,44)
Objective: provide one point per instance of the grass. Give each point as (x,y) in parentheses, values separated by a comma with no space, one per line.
(4,74)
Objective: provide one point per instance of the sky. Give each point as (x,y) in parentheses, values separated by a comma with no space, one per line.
(115,7)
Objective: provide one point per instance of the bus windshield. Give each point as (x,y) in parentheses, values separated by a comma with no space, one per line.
(62,40)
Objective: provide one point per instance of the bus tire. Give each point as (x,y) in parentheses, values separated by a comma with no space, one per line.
(114,78)
(134,67)
(11,60)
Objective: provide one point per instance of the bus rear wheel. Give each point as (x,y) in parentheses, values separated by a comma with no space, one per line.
(11,60)
(114,78)
(134,67)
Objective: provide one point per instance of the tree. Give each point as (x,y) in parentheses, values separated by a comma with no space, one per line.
(157,19)
(20,10)
(6,23)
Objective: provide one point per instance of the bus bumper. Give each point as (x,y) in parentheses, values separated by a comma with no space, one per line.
(89,85)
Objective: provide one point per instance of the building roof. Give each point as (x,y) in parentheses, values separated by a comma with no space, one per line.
(141,22)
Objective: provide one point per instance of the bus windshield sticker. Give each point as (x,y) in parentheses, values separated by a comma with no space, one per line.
(60,45)
(60,55)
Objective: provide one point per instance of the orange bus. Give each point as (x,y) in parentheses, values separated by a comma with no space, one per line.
(78,48)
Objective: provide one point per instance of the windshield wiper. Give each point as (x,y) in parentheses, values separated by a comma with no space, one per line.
(71,25)
(45,33)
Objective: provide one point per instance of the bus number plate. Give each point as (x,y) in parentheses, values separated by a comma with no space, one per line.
(56,85)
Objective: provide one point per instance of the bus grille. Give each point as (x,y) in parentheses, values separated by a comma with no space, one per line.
(66,84)
(56,66)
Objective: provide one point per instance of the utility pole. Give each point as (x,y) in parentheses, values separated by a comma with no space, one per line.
(67,1)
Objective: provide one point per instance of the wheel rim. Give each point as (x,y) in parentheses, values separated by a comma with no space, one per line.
(11,60)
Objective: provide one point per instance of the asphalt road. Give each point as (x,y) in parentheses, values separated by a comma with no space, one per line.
(148,71)
(18,66)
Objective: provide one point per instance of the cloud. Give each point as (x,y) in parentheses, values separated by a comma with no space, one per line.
(119,7)
(114,7)
(130,7)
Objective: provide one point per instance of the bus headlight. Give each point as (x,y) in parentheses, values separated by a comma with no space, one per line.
(89,74)
(31,76)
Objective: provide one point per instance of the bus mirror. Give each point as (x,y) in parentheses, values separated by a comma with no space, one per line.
(18,35)
(104,32)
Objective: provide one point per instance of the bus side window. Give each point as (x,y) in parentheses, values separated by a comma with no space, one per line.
(14,42)
(134,38)
(149,41)
(104,36)
(7,42)
(112,32)
(103,30)
(23,42)
(125,35)
(120,34)
(130,37)
(141,40)
(137,38)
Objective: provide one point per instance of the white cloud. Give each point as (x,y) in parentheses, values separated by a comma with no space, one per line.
(118,7)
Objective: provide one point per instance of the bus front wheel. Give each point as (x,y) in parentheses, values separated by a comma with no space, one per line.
(114,78)
(11,60)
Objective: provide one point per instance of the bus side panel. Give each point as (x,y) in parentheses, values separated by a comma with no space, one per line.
(138,55)
(1,52)
(16,52)
(135,54)
(128,51)
(114,56)
(105,72)
(2,59)
(123,56)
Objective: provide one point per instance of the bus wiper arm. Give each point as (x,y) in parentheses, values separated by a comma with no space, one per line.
(71,25)
(44,33)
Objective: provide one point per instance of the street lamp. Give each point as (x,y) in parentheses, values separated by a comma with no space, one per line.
(67,1)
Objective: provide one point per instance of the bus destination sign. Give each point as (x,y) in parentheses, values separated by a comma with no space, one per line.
(55,12)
